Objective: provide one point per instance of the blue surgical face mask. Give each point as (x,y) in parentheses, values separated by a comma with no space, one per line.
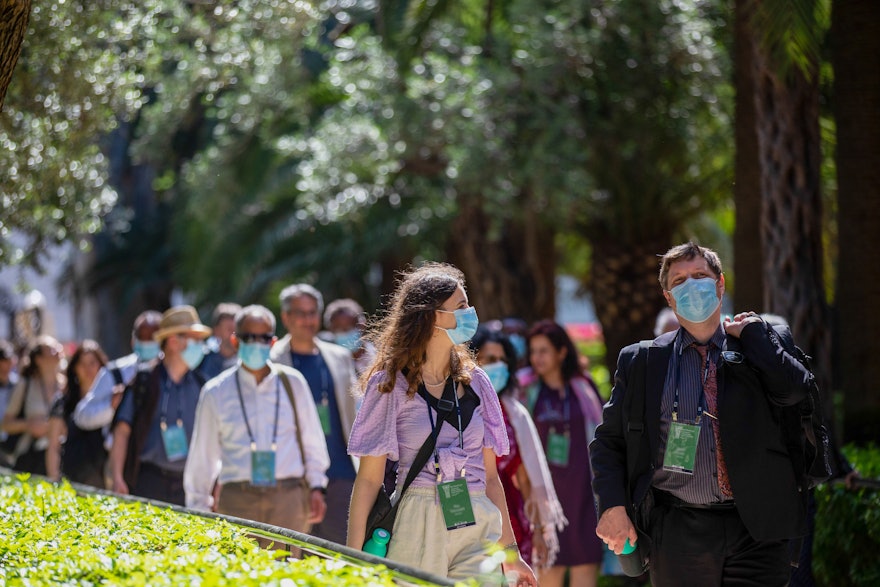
(146,350)
(519,345)
(466,323)
(253,355)
(498,373)
(350,340)
(193,354)
(696,299)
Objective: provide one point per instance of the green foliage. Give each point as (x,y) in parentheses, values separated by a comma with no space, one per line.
(792,33)
(54,537)
(847,535)
(77,73)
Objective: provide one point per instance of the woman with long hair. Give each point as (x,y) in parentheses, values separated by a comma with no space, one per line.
(27,413)
(535,511)
(77,454)
(566,409)
(424,381)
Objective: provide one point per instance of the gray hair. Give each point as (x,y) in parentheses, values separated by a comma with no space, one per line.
(298,290)
(254,311)
(343,306)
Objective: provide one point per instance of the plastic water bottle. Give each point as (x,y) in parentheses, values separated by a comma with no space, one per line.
(378,542)
(631,560)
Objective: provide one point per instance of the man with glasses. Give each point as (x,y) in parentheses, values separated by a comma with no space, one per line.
(690,462)
(329,370)
(153,425)
(258,435)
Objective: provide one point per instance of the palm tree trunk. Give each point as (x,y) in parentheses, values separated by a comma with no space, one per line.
(747,262)
(855,30)
(14,16)
(791,214)
(626,293)
(510,268)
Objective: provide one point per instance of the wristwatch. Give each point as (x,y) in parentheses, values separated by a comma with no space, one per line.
(323,490)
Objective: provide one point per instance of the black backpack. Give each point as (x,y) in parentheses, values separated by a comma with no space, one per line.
(807,435)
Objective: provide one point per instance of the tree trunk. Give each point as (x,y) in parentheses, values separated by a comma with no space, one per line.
(791,214)
(748,284)
(855,31)
(626,293)
(511,274)
(14,15)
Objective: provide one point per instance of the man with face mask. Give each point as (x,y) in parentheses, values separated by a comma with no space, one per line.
(153,425)
(329,370)
(345,322)
(701,481)
(96,409)
(257,433)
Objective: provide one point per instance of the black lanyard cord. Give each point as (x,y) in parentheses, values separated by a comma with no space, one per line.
(244,413)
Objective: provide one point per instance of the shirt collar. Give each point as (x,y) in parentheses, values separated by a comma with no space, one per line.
(686,339)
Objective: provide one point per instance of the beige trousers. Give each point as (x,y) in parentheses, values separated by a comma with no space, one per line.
(421,540)
(285,504)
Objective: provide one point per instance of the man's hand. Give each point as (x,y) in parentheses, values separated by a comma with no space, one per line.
(119,486)
(318,507)
(615,527)
(734,326)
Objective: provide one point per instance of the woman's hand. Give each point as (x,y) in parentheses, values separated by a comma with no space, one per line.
(525,576)
(539,548)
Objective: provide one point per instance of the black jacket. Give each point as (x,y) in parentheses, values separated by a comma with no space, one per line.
(763,479)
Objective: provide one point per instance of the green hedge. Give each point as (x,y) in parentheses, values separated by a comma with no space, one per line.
(50,535)
(846,549)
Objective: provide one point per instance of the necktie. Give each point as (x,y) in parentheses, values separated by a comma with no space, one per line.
(710,388)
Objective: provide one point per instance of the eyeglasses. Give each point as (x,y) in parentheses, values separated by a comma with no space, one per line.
(249,337)
(304,314)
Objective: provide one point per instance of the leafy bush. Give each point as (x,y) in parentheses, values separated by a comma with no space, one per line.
(847,536)
(53,536)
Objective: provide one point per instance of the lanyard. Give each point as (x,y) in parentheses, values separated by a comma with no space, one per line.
(244,413)
(163,416)
(435,432)
(702,390)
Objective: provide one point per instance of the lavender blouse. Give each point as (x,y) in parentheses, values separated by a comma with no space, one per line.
(393,425)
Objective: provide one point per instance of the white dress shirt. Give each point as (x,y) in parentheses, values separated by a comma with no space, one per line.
(221,446)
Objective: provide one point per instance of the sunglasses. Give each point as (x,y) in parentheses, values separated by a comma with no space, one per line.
(248,337)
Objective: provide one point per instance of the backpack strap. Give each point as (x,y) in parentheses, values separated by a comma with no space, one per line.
(287,387)
(117,375)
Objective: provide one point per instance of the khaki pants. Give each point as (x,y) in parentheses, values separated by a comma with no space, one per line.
(420,538)
(285,504)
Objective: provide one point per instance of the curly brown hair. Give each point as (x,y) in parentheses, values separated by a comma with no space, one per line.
(401,336)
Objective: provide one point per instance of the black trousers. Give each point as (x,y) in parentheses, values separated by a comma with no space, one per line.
(711,547)
(160,484)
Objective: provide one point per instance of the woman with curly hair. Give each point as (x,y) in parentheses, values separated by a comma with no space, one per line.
(425,381)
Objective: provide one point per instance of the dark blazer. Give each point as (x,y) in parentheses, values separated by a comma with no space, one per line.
(766,487)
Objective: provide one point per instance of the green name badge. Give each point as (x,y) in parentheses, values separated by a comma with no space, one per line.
(174,441)
(324,416)
(558,448)
(263,468)
(455,501)
(681,448)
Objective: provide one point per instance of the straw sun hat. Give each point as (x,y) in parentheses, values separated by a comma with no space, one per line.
(181,320)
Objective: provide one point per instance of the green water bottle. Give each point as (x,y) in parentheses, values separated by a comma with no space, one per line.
(378,543)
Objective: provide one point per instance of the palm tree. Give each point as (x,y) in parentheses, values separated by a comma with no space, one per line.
(855,33)
(785,40)
(14,16)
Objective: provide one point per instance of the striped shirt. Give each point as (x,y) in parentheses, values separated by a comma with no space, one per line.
(685,371)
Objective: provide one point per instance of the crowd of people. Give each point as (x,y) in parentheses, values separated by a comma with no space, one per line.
(304,431)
